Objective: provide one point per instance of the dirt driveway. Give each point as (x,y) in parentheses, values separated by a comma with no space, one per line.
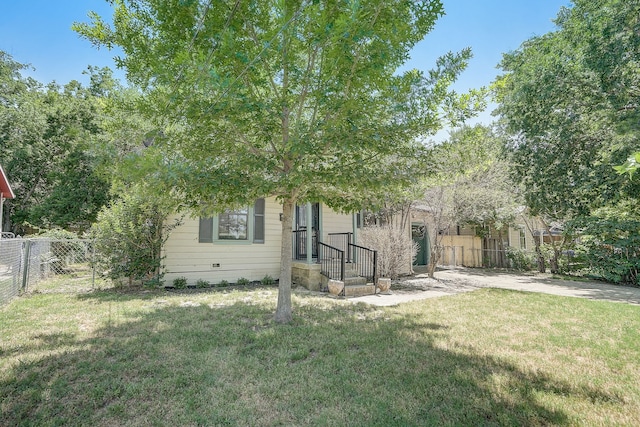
(457,280)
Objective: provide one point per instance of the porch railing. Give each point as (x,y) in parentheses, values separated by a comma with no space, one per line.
(341,241)
(366,262)
(332,261)
(300,244)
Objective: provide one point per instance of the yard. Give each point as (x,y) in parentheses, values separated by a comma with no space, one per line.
(489,357)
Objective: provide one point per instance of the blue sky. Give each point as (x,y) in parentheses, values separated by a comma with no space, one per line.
(38,32)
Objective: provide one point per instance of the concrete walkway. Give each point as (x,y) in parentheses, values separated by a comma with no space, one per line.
(457,280)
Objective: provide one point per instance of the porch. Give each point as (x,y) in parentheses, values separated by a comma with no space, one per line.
(339,258)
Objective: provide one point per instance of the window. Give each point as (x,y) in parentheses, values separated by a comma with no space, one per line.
(523,239)
(234,225)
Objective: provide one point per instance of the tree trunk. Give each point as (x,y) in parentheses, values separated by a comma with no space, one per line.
(283,310)
(555,264)
(540,257)
(433,260)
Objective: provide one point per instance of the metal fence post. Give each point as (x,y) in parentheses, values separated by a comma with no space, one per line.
(25,264)
(93,264)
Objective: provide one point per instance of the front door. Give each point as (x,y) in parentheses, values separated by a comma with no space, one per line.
(301,229)
(421,237)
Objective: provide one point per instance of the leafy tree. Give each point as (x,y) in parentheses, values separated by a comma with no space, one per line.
(296,99)
(570,101)
(48,135)
(469,184)
(129,234)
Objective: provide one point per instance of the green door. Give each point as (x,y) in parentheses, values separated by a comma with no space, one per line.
(421,237)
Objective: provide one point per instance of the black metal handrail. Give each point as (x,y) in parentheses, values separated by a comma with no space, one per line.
(341,241)
(300,244)
(332,261)
(365,261)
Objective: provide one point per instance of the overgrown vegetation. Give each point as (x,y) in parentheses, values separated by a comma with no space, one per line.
(611,246)
(129,235)
(489,357)
(569,102)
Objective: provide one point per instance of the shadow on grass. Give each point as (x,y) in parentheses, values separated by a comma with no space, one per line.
(230,365)
(591,289)
(140,293)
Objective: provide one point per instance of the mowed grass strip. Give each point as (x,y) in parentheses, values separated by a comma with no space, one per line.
(490,357)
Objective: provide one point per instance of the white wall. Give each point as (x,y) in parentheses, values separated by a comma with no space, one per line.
(186,257)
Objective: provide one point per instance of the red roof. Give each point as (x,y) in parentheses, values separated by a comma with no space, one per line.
(5,188)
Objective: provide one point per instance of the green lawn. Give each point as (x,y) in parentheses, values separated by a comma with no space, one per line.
(489,357)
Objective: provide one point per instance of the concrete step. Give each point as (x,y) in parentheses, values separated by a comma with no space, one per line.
(359,290)
(355,281)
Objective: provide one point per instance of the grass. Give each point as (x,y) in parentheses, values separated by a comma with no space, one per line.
(489,357)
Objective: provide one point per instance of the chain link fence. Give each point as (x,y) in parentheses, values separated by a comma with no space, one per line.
(45,265)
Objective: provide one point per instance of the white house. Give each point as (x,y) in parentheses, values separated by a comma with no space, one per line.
(245,243)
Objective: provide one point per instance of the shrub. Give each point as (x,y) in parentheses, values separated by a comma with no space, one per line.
(223,284)
(267,281)
(611,247)
(129,235)
(242,281)
(396,249)
(202,284)
(521,259)
(180,282)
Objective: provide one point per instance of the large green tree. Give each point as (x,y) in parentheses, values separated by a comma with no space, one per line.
(48,135)
(299,99)
(570,101)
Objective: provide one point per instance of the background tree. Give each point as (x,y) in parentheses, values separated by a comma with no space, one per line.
(469,184)
(47,134)
(295,99)
(570,101)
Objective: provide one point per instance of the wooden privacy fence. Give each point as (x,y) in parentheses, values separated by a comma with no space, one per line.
(459,256)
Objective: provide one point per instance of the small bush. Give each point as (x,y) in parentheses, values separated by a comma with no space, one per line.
(153,282)
(180,282)
(223,284)
(202,284)
(396,249)
(242,281)
(521,259)
(267,281)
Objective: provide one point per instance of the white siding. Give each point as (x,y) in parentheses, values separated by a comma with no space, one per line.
(186,257)
(334,222)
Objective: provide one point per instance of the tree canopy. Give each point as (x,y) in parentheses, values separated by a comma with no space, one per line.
(570,100)
(47,134)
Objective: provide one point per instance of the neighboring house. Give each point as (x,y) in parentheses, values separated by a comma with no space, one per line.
(462,245)
(245,243)
(5,193)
